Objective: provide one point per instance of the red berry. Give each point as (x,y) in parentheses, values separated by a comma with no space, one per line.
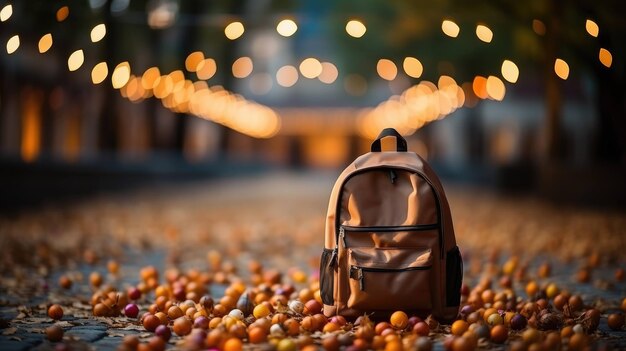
(131,310)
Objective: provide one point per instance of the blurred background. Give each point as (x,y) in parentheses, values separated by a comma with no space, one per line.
(102,95)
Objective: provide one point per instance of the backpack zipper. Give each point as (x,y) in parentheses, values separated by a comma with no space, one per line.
(398,228)
(356,272)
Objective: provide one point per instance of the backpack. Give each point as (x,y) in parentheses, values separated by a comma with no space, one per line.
(389,242)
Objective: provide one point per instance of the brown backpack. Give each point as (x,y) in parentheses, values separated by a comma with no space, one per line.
(389,241)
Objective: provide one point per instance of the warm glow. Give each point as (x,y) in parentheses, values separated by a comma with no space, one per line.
(193,61)
(287,76)
(605,57)
(386,69)
(412,67)
(355,28)
(539,27)
(242,67)
(311,68)
(329,73)
(149,78)
(6,12)
(13,44)
(286,27)
(484,33)
(510,72)
(561,68)
(206,69)
(234,30)
(99,73)
(121,75)
(495,88)
(45,43)
(98,32)
(76,59)
(592,28)
(163,86)
(62,13)
(480,87)
(31,126)
(450,28)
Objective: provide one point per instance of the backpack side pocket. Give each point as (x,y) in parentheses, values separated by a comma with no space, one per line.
(454,277)
(327,276)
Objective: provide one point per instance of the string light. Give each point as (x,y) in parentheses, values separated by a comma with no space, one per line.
(287,76)
(63,13)
(98,32)
(450,28)
(605,57)
(310,68)
(13,44)
(121,75)
(234,30)
(510,72)
(287,28)
(149,78)
(45,43)
(495,88)
(206,69)
(484,33)
(412,67)
(355,28)
(6,12)
(386,69)
(561,68)
(592,28)
(242,67)
(193,61)
(329,73)
(76,60)
(99,73)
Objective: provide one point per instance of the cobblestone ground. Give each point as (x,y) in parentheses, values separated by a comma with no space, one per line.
(278,221)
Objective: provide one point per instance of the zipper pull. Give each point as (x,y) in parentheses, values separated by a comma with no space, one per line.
(359,275)
(392,176)
(342,236)
(333,259)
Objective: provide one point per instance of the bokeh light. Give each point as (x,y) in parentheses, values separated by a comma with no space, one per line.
(287,76)
(386,69)
(206,69)
(484,33)
(45,43)
(193,60)
(6,12)
(13,44)
(539,27)
(561,68)
(412,67)
(329,73)
(149,78)
(310,68)
(242,67)
(509,70)
(286,27)
(99,73)
(98,32)
(62,13)
(234,30)
(450,28)
(495,88)
(592,28)
(479,86)
(121,75)
(76,60)
(605,57)
(355,28)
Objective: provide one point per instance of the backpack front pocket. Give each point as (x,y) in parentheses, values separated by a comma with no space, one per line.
(386,278)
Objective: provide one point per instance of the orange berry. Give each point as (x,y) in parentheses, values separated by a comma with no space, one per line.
(459,327)
(55,312)
(399,320)
(499,334)
(233,344)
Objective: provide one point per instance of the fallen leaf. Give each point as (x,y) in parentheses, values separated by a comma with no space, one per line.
(9,331)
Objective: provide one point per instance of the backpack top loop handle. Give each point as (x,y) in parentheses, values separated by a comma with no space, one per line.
(400,141)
